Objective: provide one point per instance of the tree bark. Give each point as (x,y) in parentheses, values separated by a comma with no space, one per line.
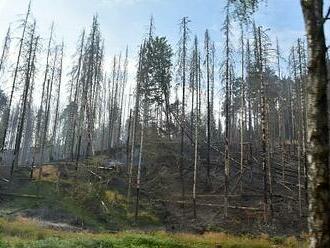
(317,125)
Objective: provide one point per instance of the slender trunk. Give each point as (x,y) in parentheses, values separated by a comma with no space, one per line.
(303,114)
(207,43)
(76,94)
(5,49)
(263,127)
(7,112)
(138,178)
(112,104)
(20,127)
(57,105)
(242,112)
(128,137)
(227,116)
(48,103)
(184,50)
(196,128)
(135,121)
(124,82)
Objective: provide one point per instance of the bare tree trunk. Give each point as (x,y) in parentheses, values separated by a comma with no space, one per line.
(112,103)
(181,166)
(38,137)
(128,137)
(5,49)
(207,48)
(195,80)
(138,178)
(281,119)
(303,113)
(124,83)
(76,94)
(242,111)
(7,112)
(28,74)
(263,127)
(130,170)
(317,125)
(134,121)
(47,109)
(54,134)
(227,116)
(299,131)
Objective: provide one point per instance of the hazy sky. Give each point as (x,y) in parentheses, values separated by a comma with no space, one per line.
(124,22)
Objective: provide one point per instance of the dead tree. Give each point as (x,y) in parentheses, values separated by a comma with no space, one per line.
(135,121)
(242,110)
(195,85)
(55,126)
(227,103)
(5,50)
(263,126)
(138,177)
(16,72)
(207,51)
(40,113)
(77,90)
(123,85)
(29,64)
(183,58)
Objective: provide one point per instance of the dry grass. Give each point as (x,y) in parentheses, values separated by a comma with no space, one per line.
(23,232)
(49,173)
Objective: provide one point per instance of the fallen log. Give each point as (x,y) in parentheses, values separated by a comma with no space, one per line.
(212,205)
(21,195)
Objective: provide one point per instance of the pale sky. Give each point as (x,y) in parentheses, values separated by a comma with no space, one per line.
(124,22)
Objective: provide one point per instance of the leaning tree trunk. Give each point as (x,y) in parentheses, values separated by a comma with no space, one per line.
(317,125)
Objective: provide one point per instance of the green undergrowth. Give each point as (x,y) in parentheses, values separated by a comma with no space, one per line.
(23,233)
(88,204)
(48,198)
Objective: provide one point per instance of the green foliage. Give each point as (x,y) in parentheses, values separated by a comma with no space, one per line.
(60,243)
(245,8)
(3,244)
(155,69)
(278,240)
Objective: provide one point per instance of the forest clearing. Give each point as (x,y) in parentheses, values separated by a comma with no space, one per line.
(199,133)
